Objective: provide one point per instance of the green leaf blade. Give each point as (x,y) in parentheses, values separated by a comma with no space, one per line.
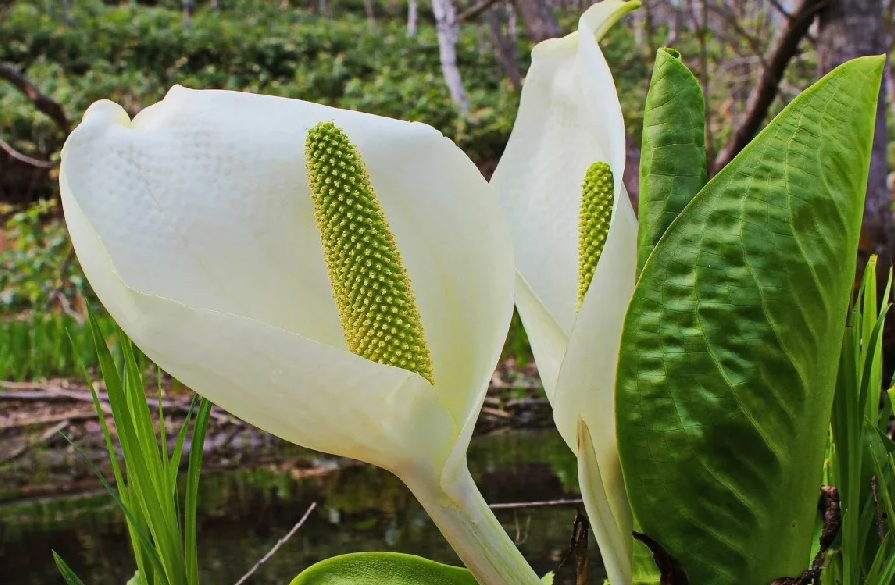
(379,568)
(731,343)
(673,159)
(65,571)
(191,498)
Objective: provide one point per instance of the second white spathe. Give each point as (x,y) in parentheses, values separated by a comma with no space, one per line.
(570,118)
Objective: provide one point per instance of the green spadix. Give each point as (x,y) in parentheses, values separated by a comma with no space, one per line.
(371,287)
(597,194)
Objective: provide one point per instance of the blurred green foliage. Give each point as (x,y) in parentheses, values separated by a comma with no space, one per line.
(39,346)
(38,267)
(133,55)
(43,298)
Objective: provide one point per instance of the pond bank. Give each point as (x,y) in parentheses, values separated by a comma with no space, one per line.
(37,461)
(245,510)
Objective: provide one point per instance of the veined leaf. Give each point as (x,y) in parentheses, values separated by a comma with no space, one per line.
(672,171)
(672,160)
(731,343)
(380,568)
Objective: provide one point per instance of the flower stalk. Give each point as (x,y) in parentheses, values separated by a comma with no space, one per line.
(469,525)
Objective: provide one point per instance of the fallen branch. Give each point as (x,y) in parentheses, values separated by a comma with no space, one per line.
(764,93)
(42,420)
(42,102)
(494,412)
(28,391)
(45,436)
(27,501)
(277,546)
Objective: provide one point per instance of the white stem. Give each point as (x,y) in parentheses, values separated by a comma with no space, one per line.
(471,528)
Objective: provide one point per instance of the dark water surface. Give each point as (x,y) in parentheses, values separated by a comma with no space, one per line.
(242,514)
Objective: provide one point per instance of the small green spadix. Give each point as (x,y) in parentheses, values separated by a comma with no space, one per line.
(597,198)
(371,287)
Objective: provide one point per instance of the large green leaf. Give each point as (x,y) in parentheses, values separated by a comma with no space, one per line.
(731,342)
(672,171)
(382,568)
(672,159)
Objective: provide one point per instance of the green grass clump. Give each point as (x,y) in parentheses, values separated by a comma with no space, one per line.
(161,522)
(40,346)
(861,461)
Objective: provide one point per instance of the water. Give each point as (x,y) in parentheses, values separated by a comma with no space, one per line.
(359,508)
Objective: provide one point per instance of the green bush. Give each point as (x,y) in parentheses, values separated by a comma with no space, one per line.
(134,56)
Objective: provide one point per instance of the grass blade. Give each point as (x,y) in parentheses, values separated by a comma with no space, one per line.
(66,571)
(192,491)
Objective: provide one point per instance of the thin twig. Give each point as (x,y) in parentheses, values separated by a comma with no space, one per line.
(880,524)
(733,22)
(277,546)
(546,504)
(782,50)
(28,160)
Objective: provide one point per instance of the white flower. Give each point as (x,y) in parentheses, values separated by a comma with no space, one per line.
(569,118)
(194,224)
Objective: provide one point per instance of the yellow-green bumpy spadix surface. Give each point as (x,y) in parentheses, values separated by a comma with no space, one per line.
(597,194)
(371,287)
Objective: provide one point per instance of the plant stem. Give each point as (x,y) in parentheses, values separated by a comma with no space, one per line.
(473,531)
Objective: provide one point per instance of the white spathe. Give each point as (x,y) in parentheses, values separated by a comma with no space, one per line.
(195,226)
(570,118)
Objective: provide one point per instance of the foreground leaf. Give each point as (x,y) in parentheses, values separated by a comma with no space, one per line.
(65,570)
(731,342)
(672,163)
(382,568)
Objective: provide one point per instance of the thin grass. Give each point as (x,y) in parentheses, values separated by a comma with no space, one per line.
(42,346)
(163,542)
(860,451)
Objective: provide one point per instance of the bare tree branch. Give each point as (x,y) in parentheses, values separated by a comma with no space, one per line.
(475,10)
(732,20)
(504,46)
(539,20)
(776,60)
(41,164)
(42,102)
(776,4)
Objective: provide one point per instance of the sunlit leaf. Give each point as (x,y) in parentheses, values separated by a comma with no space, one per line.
(672,161)
(381,568)
(731,342)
